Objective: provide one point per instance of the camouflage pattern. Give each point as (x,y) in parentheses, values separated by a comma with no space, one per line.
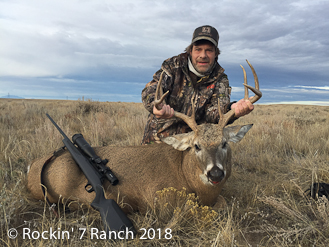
(181,84)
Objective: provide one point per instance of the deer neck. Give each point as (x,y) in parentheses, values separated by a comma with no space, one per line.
(191,171)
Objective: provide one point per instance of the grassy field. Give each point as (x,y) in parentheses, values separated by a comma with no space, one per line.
(281,156)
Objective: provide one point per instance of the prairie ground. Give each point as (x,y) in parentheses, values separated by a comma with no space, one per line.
(285,152)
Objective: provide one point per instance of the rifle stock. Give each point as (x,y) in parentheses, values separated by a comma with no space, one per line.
(113,217)
(113,213)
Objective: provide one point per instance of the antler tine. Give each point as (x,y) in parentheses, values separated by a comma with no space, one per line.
(224,118)
(258,94)
(158,91)
(190,121)
(246,93)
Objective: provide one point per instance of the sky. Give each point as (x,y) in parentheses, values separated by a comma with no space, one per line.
(108,50)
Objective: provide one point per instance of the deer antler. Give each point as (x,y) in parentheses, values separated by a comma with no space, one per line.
(225,118)
(159,97)
(258,94)
(159,94)
(190,121)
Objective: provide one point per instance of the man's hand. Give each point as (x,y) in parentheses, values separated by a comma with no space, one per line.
(242,107)
(166,112)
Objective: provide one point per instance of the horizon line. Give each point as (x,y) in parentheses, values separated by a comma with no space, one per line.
(318,103)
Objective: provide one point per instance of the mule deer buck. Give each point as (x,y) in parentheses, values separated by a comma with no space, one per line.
(199,161)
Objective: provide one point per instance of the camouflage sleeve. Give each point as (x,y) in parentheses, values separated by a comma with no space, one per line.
(148,93)
(222,91)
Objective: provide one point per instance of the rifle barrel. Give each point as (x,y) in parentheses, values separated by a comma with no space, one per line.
(57,127)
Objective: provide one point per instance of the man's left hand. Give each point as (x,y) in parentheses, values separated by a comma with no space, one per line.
(242,107)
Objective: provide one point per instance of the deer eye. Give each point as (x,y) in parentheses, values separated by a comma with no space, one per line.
(197,148)
(224,144)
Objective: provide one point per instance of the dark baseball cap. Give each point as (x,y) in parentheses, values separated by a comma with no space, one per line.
(206,32)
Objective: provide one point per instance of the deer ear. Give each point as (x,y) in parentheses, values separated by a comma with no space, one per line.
(180,142)
(236,133)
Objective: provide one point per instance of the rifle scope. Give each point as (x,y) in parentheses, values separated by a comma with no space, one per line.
(80,141)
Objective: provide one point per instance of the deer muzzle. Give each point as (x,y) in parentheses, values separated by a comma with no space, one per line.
(215,175)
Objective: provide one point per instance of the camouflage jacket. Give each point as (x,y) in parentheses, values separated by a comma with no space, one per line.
(181,84)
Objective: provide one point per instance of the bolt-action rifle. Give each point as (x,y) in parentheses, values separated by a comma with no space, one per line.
(95,170)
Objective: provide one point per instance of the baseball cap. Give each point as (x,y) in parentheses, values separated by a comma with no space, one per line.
(206,32)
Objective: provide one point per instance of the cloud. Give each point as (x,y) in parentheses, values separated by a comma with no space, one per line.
(96,44)
(305,102)
(314,87)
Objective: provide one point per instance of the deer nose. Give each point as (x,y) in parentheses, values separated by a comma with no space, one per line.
(216,175)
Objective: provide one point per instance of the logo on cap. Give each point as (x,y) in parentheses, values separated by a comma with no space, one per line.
(206,30)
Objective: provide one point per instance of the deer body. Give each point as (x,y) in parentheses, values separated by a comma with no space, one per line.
(134,166)
(141,170)
(199,161)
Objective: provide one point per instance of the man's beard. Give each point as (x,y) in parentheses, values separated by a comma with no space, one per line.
(193,68)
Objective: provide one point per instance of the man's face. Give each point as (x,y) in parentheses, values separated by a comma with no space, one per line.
(203,57)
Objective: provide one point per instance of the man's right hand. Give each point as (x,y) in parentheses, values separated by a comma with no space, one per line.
(165,112)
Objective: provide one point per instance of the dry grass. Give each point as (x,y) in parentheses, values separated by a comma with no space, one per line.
(282,155)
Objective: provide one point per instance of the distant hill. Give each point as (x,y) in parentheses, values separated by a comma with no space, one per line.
(11,97)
